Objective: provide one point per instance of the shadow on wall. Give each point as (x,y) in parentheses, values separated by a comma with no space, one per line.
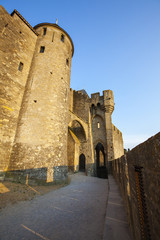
(78,130)
(137,174)
(39,176)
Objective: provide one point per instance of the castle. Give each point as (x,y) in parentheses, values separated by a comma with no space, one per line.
(47,129)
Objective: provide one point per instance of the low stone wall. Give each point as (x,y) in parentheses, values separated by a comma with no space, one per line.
(138,176)
(38,176)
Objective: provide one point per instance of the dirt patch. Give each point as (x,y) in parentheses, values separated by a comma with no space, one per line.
(11,193)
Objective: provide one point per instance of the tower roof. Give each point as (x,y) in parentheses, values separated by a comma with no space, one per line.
(56,26)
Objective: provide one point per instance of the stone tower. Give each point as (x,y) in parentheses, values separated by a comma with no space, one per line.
(40,146)
(109,107)
(107,139)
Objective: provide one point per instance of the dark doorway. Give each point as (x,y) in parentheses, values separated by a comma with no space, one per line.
(82,163)
(101,162)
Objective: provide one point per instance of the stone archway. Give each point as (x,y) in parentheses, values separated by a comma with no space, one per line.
(76,136)
(78,130)
(101,168)
(100,155)
(82,163)
(73,117)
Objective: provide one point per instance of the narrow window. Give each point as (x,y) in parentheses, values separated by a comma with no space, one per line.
(98,105)
(52,37)
(67,61)
(44,31)
(62,38)
(42,49)
(20,68)
(98,125)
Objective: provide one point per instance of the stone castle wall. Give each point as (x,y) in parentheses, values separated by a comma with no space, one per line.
(117,142)
(138,175)
(17,44)
(81,105)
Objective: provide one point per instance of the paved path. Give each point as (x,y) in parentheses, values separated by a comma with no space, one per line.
(116,225)
(74,212)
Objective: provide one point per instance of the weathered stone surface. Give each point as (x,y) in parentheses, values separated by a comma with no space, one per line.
(117,142)
(138,174)
(46,126)
(17,44)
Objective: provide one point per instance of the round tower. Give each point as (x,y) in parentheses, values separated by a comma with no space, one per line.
(40,148)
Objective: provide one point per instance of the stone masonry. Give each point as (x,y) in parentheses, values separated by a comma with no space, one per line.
(47,129)
(138,175)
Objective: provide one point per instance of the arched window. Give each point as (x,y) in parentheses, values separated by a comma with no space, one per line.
(98,105)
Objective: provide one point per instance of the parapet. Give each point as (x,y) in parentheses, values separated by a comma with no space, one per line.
(96,98)
(107,100)
(80,94)
(116,130)
(95,95)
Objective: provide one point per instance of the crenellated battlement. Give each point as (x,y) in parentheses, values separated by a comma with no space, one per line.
(81,93)
(116,130)
(106,100)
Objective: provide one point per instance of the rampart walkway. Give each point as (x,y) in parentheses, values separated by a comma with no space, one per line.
(116,225)
(76,211)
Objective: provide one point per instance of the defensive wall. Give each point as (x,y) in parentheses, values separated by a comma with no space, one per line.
(138,176)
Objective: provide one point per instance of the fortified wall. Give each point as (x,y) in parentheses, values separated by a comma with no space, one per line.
(47,129)
(138,175)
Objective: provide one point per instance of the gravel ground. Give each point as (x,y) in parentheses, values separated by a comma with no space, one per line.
(11,193)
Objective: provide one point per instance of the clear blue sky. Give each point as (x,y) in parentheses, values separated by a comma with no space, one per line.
(117,47)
